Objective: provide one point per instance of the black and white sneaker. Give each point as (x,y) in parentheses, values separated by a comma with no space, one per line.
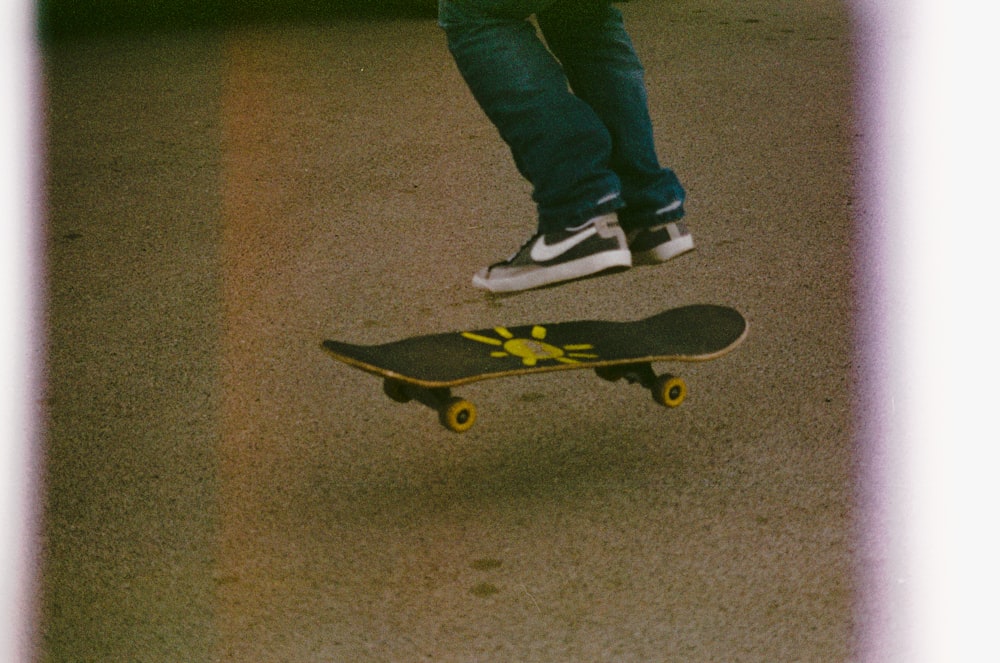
(595,246)
(659,243)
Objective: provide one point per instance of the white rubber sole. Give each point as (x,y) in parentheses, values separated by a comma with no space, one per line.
(526,278)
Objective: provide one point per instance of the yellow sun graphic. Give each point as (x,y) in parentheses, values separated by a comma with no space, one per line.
(532,350)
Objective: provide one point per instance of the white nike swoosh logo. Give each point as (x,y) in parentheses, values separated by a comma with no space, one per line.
(542,252)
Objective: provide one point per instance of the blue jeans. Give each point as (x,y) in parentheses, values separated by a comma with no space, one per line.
(574,114)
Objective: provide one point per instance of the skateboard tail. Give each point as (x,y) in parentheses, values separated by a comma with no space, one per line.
(363,358)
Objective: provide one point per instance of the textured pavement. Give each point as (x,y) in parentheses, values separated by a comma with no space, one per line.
(217,489)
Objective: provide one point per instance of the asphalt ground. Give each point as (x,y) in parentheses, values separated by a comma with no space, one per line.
(217,489)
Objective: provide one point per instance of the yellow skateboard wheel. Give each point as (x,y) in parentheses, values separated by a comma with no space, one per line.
(458,415)
(669,390)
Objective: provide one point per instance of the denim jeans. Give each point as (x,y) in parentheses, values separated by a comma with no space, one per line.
(574,114)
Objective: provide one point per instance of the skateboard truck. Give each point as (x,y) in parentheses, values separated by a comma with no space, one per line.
(456,414)
(667,390)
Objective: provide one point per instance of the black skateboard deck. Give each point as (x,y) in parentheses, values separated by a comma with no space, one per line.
(425,368)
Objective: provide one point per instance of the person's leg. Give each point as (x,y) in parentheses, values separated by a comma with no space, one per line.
(600,62)
(557,140)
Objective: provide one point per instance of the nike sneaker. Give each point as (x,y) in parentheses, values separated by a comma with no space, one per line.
(573,253)
(659,243)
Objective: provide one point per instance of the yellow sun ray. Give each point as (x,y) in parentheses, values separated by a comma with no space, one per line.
(532,350)
(481,339)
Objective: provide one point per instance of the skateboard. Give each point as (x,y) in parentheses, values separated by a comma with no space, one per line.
(426,368)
